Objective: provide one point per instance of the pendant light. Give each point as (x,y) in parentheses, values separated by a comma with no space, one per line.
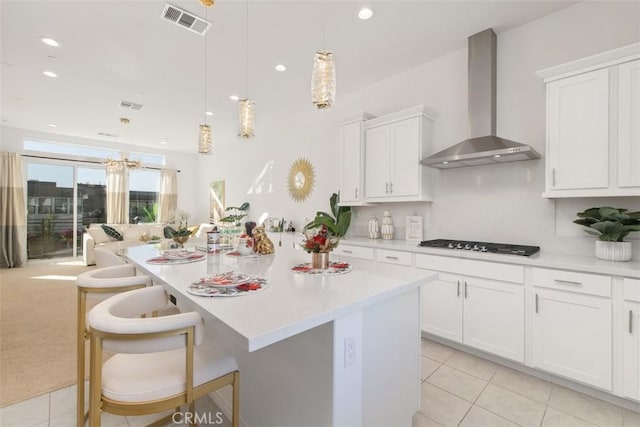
(204,136)
(246,106)
(323,77)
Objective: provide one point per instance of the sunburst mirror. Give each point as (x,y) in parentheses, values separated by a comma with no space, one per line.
(301,179)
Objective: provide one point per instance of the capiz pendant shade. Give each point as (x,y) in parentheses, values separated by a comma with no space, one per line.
(204,140)
(245,114)
(323,80)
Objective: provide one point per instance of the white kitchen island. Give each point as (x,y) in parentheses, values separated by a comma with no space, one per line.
(313,350)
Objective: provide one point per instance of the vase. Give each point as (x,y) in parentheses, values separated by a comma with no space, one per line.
(387,226)
(613,251)
(320,260)
(180,240)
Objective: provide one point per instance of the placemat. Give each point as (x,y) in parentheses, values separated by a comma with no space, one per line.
(335,268)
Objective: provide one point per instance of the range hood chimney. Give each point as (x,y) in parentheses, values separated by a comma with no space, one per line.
(483,147)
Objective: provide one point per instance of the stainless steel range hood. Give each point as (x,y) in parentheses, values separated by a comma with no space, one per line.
(483,147)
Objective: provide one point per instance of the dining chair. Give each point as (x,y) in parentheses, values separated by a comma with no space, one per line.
(106,258)
(94,286)
(160,363)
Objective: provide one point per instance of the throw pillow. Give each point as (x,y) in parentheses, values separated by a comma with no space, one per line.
(98,235)
(168,232)
(111,232)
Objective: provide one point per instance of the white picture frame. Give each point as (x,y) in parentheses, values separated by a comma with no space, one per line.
(413,229)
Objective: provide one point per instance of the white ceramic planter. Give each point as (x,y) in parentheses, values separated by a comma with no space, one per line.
(613,251)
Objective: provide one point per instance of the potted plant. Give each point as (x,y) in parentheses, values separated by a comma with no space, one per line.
(324,232)
(611,226)
(236,217)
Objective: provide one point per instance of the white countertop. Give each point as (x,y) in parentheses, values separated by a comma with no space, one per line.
(541,259)
(293,302)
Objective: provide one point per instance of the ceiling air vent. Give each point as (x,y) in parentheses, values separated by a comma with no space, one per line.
(110,135)
(130,105)
(185,19)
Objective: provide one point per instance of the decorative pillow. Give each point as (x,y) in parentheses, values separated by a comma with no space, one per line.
(98,235)
(167,231)
(132,233)
(112,232)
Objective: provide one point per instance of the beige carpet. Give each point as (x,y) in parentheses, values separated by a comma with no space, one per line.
(37,329)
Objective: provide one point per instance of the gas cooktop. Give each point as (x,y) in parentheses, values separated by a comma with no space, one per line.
(496,248)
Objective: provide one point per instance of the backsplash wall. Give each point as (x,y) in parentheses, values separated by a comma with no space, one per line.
(503,202)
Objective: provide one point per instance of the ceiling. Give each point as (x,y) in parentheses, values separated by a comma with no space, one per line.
(122,50)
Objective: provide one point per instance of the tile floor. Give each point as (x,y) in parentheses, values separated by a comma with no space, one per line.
(458,389)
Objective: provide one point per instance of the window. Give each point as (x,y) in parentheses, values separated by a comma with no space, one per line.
(144,186)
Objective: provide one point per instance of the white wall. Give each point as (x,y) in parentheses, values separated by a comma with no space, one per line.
(11,140)
(500,203)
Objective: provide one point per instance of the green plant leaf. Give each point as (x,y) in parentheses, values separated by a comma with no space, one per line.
(589,213)
(344,220)
(333,203)
(328,222)
(593,232)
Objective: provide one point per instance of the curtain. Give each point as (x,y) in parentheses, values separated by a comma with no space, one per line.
(117,197)
(168,194)
(13,226)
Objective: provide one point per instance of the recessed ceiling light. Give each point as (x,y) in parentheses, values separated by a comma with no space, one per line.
(49,41)
(234,97)
(496,156)
(163,142)
(50,74)
(445,163)
(209,113)
(137,93)
(281,67)
(52,125)
(53,58)
(365,13)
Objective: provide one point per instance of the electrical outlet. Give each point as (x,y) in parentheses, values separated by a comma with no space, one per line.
(349,352)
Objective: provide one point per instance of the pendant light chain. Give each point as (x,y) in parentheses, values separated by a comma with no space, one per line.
(246,82)
(206,63)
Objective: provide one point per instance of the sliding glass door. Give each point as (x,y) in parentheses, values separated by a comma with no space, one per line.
(61,199)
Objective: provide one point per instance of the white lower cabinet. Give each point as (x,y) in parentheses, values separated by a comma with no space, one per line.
(572,336)
(631,340)
(483,313)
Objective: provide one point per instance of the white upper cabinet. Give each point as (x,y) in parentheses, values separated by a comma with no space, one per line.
(593,126)
(394,146)
(352,161)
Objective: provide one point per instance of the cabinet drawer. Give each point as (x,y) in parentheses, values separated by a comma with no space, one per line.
(470,267)
(591,284)
(354,251)
(394,257)
(632,289)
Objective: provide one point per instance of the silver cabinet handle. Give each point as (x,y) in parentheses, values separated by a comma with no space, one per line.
(568,282)
(391,257)
(537,307)
(631,321)
(386,188)
(466,292)
(347,251)
(553,177)
(391,188)
(356,193)
(458,292)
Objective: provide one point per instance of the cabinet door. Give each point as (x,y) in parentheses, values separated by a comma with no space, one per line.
(351,152)
(632,350)
(442,307)
(572,336)
(377,161)
(404,169)
(629,124)
(494,317)
(578,126)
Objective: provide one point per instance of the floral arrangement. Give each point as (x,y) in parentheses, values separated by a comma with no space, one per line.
(178,223)
(318,240)
(323,233)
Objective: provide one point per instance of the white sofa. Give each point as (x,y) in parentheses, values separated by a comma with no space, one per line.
(96,237)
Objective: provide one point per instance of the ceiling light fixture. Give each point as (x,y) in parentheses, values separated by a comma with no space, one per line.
(52,125)
(204,136)
(234,97)
(209,113)
(365,13)
(119,164)
(323,78)
(246,106)
(50,74)
(281,67)
(49,41)
(207,3)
